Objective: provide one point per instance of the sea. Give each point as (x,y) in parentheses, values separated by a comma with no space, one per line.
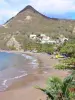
(14,66)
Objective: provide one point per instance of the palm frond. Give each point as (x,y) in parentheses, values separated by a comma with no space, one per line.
(66,82)
(46,92)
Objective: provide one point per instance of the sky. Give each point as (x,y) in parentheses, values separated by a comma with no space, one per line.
(51,8)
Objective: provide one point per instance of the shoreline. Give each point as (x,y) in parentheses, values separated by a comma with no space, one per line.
(6,82)
(25,86)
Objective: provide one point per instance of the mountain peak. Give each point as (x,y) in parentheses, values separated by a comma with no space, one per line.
(29,7)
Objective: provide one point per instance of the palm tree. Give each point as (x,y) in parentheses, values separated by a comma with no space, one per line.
(58,89)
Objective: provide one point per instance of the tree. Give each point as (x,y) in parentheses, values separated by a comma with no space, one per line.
(68,63)
(12,47)
(57,89)
(68,48)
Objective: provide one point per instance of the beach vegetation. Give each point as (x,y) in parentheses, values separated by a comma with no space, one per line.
(58,89)
(12,47)
(68,48)
(68,63)
(61,66)
(32,45)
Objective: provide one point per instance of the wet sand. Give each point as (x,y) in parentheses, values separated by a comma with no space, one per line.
(24,89)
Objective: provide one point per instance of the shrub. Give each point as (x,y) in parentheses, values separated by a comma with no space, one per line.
(69,61)
(12,47)
(57,89)
(61,66)
(69,49)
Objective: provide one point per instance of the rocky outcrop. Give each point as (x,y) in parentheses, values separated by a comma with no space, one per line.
(13,43)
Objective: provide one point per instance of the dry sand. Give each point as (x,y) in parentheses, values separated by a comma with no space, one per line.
(24,89)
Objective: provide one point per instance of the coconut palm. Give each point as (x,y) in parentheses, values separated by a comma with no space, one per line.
(57,89)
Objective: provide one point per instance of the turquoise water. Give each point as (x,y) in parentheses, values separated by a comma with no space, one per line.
(15,66)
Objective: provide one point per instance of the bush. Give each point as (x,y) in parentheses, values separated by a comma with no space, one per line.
(57,89)
(69,49)
(12,48)
(69,61)
(61,66)
(48,48)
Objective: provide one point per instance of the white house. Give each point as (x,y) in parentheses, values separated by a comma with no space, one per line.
(62,40)
(52,41)
(42,35)
(46,39)
(33,36)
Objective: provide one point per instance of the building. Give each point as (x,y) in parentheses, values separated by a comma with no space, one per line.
(62,40)
(47,39)
(42,38)
(33,36)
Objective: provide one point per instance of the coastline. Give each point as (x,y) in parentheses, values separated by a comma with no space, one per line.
(22,65)
(25,86)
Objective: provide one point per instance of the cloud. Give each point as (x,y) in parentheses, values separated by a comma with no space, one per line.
(54,6)
(9,8)
(6,14)
(6,11)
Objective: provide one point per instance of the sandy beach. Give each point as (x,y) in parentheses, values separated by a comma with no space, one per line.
(24,89)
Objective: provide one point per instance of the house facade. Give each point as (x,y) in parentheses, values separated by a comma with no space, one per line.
(33,36)
(46,39)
